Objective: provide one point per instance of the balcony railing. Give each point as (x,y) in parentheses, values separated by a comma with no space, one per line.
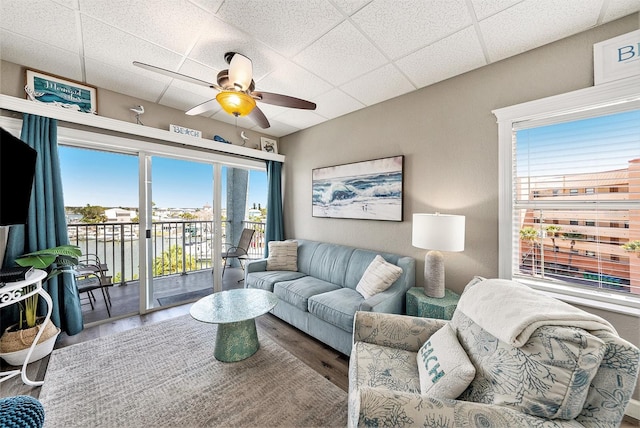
(178,246)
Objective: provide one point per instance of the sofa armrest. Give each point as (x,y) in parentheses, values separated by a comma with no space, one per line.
(255,266)
(376,406)
(383,329)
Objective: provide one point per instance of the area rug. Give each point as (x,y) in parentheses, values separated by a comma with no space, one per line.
(184,297)
(165,375)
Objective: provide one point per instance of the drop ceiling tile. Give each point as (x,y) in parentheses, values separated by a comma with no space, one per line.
(534,23)
(619,8)
(486,8)
(293,80)
(43,21)
(71,4)
(221,38)
(122,81)
(175,25)
(379,85)
(400,27)
(122,49)
(341,55)
(454,55)
(199,71)
(336,103)
(300,118)
(183,100)
(350,6)
(39,56)
(284,25)
(208,5)
(277,129)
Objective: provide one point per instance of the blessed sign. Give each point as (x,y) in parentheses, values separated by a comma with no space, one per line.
(617,58)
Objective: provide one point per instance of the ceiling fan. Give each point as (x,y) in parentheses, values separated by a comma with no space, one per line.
(236,90)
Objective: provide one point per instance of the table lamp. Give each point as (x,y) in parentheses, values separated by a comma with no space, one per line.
(437,232)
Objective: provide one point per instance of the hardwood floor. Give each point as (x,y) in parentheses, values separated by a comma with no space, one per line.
(330,363)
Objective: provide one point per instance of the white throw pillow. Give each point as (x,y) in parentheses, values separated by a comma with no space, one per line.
(283,255)
(378,277)
(444,368)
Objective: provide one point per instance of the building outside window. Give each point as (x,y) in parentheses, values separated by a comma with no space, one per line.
(579,171)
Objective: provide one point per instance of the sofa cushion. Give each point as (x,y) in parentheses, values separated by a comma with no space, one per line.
(378,277)
(298,291)
(283,255)
(444,368)
(383,367)
(265,280)
(329,263)
(336,307)
(548,376)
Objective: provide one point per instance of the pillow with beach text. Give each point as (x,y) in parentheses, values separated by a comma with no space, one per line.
(443,365)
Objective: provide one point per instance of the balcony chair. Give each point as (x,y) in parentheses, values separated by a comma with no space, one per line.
(239,252)
(91,274)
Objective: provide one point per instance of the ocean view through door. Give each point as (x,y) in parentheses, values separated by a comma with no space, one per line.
(182,190)
(114,200)
(101,204)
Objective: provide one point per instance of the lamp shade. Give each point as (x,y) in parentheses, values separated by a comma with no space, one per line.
(236,103)
(442,232)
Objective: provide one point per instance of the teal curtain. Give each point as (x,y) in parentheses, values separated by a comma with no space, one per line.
(275,224)
(46,225)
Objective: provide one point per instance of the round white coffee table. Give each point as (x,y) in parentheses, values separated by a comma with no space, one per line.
(234,311)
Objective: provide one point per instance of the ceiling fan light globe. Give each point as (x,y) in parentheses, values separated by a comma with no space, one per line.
(236,103)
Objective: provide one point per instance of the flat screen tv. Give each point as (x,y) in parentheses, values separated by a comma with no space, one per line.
(17,169)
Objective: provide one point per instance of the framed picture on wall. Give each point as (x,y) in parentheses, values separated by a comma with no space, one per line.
(55,90)
(371,190)
(268,145)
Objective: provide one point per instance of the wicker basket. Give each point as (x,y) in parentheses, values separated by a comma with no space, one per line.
(12,341)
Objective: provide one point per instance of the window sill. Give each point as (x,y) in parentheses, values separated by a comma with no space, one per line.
(626,305)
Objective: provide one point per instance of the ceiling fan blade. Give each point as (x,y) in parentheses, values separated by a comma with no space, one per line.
(176,75)
(240,71)
(202,108)
(283,100)
(259,118)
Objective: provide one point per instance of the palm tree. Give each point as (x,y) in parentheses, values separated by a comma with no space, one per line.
(573,236)
(632,247)
(530,234)
(553,231)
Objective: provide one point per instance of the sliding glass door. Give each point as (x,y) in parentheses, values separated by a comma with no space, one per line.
(101,203)
(182,230)
(160,218)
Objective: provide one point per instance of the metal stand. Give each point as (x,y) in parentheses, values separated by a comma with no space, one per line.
(15,292)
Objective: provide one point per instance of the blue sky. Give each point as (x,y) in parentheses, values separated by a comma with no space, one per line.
(547,148)
(111,180)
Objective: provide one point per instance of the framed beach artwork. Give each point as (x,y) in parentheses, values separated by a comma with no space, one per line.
(69,94)
(369,190)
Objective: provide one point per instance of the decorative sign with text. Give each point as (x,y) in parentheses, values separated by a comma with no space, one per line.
(617,58)
(185,131)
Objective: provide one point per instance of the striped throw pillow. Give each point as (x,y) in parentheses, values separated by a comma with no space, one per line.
(378,277)
(283,255)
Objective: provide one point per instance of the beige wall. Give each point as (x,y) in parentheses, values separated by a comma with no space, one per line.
(116,106)
(449,138)
(447,134)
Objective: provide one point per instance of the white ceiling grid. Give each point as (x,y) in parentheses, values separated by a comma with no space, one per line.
(343,55)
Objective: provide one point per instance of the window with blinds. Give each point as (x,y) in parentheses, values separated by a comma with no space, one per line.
(576,201)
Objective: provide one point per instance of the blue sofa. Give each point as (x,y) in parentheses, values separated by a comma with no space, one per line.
(320,298)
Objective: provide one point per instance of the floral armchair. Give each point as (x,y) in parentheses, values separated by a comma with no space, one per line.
(561,376)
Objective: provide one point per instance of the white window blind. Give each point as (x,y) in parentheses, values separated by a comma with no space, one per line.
(576,201)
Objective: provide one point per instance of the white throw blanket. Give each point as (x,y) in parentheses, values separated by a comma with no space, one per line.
(511,311)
